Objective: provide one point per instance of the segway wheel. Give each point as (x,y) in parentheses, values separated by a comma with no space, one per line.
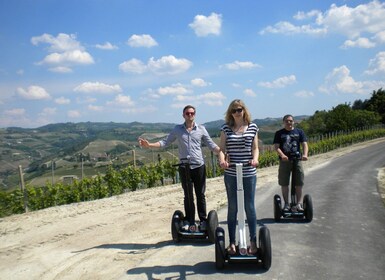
(265,247)
(308,208)
(212,223)
(277,208)
(176,223)
(220,248)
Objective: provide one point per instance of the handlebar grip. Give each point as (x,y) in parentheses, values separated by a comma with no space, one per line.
(243,164)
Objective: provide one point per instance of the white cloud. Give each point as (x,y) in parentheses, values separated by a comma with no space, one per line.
(122,101)
(280,82)
(145,40)
(133,65)
(169,65)
(340,81)
(198,82)
(106,46)
(236,65)
(62,101)
(85,100)
(377,64)
(249,92)
(380,37)
(351,22)
(15,112)
(95,108)
(64,52)
(69,57)
(33,93)
(361,42)
(209,98)
(176,89)
(304,94)
(287,28)
(212,98)
(166,65)
(62,43)
(74,114)
(303,16)
(48,112)
(60,69)
(96,87)
(140,109)
(204,26)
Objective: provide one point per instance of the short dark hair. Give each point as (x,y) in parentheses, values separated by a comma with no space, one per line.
(188,107)
(287,116)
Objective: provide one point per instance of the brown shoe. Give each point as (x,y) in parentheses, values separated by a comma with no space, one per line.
(231,249)
(252,250)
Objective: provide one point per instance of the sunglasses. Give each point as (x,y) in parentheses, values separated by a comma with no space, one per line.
(189,113)
(239,110)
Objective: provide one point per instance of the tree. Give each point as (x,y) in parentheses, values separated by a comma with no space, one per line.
(315,125)
(339,118)
(377,103)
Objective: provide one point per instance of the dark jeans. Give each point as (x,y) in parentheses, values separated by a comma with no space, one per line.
(198,180)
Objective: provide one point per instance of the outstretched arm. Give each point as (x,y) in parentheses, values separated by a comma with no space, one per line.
(145,144)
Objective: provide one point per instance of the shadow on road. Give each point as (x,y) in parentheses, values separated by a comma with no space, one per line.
(203,268)
(267,221)
(134,247)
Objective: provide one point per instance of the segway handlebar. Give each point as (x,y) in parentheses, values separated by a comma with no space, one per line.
(185,162)
(295,156)
(243,164)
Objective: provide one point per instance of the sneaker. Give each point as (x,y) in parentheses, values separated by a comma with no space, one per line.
(299,207)
(185,226)
(203,226)
(286,208)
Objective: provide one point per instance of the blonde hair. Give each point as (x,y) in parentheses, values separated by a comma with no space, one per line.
(229,119)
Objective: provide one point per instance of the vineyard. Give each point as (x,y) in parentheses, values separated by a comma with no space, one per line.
(131,178)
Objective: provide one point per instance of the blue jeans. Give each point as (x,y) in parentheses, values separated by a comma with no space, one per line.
(249,186)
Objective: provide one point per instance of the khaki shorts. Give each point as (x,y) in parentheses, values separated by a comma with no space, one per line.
(284,173)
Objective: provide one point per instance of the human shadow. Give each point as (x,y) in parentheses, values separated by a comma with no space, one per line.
(199,269)
(132,248)
(292,220)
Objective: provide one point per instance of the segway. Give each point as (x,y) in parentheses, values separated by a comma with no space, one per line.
(263,254)
(293,212)
(195,230)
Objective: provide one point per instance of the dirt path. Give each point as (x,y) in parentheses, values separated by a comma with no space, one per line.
(103,239)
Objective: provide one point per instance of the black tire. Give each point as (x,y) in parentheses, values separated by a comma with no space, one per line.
(212,224)
(220,248)
(277,208)
(176,223)
(308,208)
(265,247)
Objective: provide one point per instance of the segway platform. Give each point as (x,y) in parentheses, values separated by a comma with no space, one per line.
(293,212)
(263,254)
(195,231)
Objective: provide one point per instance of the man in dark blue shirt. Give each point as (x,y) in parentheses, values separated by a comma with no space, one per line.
(287,143)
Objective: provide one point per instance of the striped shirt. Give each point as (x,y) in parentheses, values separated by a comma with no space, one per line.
(190,143)
(239,148)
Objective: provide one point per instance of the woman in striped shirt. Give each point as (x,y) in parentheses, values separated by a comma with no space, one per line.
(239,144)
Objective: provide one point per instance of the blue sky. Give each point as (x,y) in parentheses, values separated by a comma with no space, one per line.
(126,60)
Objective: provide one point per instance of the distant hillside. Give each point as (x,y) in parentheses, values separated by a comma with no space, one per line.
(34,149)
